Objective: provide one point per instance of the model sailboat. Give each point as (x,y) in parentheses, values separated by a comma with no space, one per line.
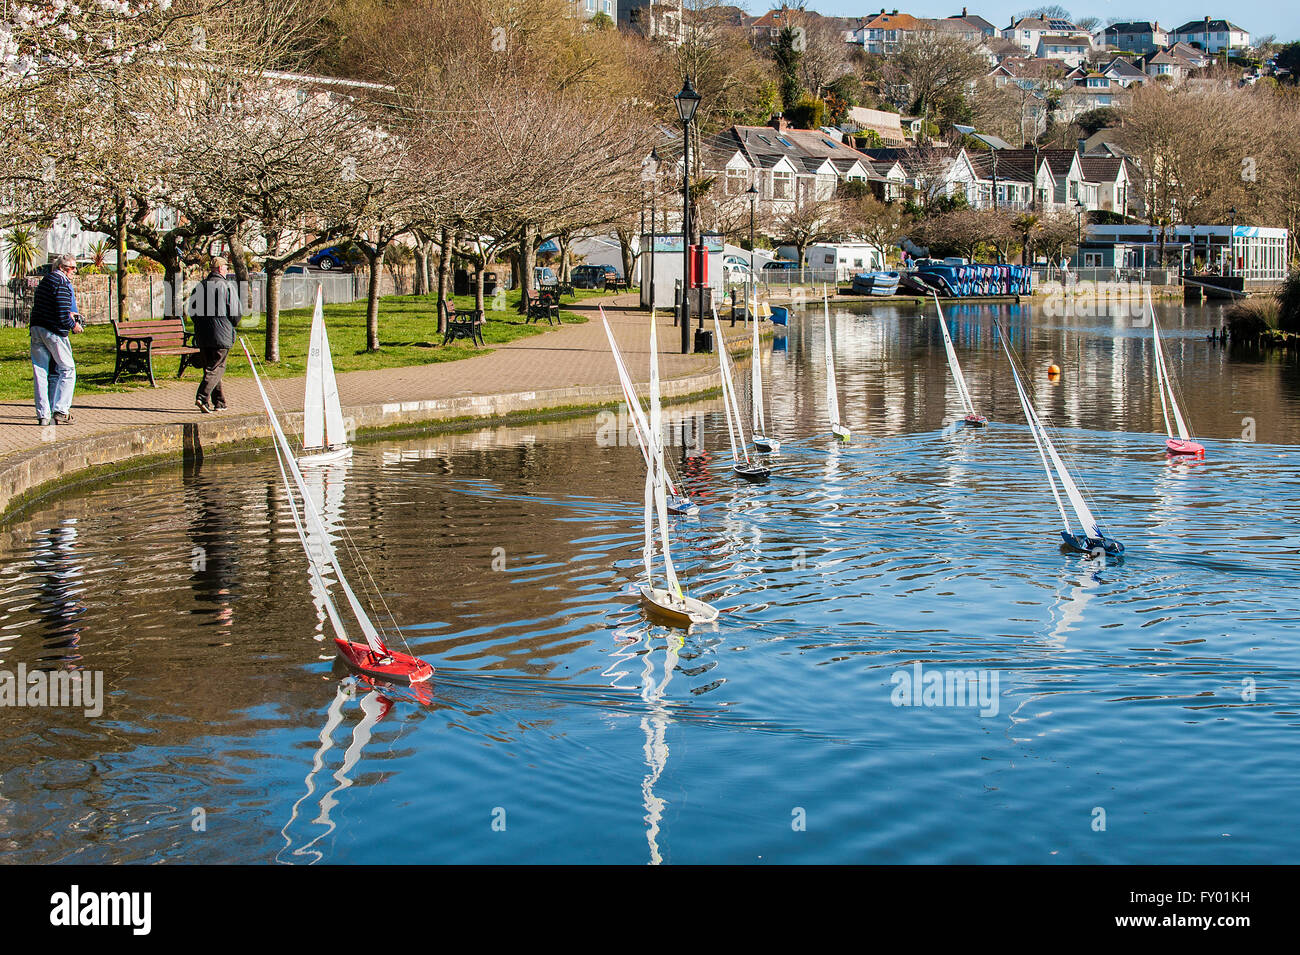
(742,464)
(762,440)
(324,438)
(832,394)
(668,603)
(1181,444)
(1094,539)
(371,658)
(678,502)
(972,419)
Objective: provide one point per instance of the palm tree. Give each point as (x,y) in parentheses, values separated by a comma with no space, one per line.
(23,253)
(1025,225)
(97,253)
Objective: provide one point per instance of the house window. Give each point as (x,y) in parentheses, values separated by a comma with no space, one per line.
(782,185)
(737,181)
(1092,260)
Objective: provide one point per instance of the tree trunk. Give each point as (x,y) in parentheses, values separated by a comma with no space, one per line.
(480,272)
(421,269)
(274,273)
(527,256)
(238,259)
(123,312)
(375,256)
(444,265)
(173,288)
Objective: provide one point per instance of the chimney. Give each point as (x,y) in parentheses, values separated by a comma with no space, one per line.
(1083,145)
(778,122)
(963,11)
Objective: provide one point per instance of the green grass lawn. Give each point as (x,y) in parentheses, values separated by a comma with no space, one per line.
(408,335)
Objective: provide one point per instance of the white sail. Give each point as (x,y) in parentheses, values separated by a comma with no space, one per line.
(756,388)
(1038,443)
(1165,384)
(735,423)
(322,414)
(659,470)
(1048,451)
(313,406)
(962,391)
(639,423)
(313,522)
(335,434)
(832,394)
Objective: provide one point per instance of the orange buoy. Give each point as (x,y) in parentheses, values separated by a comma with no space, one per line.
(1053,371)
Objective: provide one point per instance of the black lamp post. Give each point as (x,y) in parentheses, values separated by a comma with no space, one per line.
(654,190)
(1232,230)
(1079,208)
(752,301)
(688,101)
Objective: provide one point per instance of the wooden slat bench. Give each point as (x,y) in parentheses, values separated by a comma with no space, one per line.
(615,284)
(463,325)
(139,342)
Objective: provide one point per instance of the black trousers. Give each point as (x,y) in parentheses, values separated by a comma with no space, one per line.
(213,362)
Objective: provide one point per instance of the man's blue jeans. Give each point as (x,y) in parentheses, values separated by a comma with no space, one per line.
(56,386)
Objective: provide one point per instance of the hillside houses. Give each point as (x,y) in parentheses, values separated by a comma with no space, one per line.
(1134,36)
(1212,36)
(1030,33)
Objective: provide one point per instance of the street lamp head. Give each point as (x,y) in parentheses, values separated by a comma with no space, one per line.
(654,159)
(752,192)
(688,101)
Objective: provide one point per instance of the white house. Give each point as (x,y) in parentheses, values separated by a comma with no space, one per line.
(1212,36)
(1028,32)
(1071,50)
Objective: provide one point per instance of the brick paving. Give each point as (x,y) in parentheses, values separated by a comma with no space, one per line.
(563,357)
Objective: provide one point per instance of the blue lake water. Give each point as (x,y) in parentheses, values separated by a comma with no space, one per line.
(1159,696)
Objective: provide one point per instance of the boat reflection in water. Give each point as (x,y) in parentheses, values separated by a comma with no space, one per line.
(374,707)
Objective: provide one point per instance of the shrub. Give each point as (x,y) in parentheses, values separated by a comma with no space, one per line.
(807,113)
(1288,301)
(1251,318)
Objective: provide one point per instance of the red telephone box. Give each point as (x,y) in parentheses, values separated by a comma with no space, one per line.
(699,277)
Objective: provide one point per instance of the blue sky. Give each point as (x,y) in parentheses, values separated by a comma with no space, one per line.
(1259,17)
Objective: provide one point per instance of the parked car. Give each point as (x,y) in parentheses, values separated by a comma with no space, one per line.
(592,276)
(779,265)
(735,270)
(328,260)
(544,275)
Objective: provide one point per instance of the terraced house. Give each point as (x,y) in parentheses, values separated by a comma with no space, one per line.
(789,166)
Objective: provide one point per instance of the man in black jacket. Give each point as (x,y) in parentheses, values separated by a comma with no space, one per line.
(215,308)
(54,317)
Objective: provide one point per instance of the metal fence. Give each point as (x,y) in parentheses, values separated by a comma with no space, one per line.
(785,278)
(148,299)
(1073,275)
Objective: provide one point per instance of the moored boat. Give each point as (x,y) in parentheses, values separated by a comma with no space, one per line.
(876,283)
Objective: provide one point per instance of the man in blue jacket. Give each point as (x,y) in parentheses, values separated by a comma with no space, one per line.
(215,308)
(54,318)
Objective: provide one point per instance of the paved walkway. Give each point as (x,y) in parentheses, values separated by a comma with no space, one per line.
(563,357)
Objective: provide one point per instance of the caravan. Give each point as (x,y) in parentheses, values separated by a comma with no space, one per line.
(840,262)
